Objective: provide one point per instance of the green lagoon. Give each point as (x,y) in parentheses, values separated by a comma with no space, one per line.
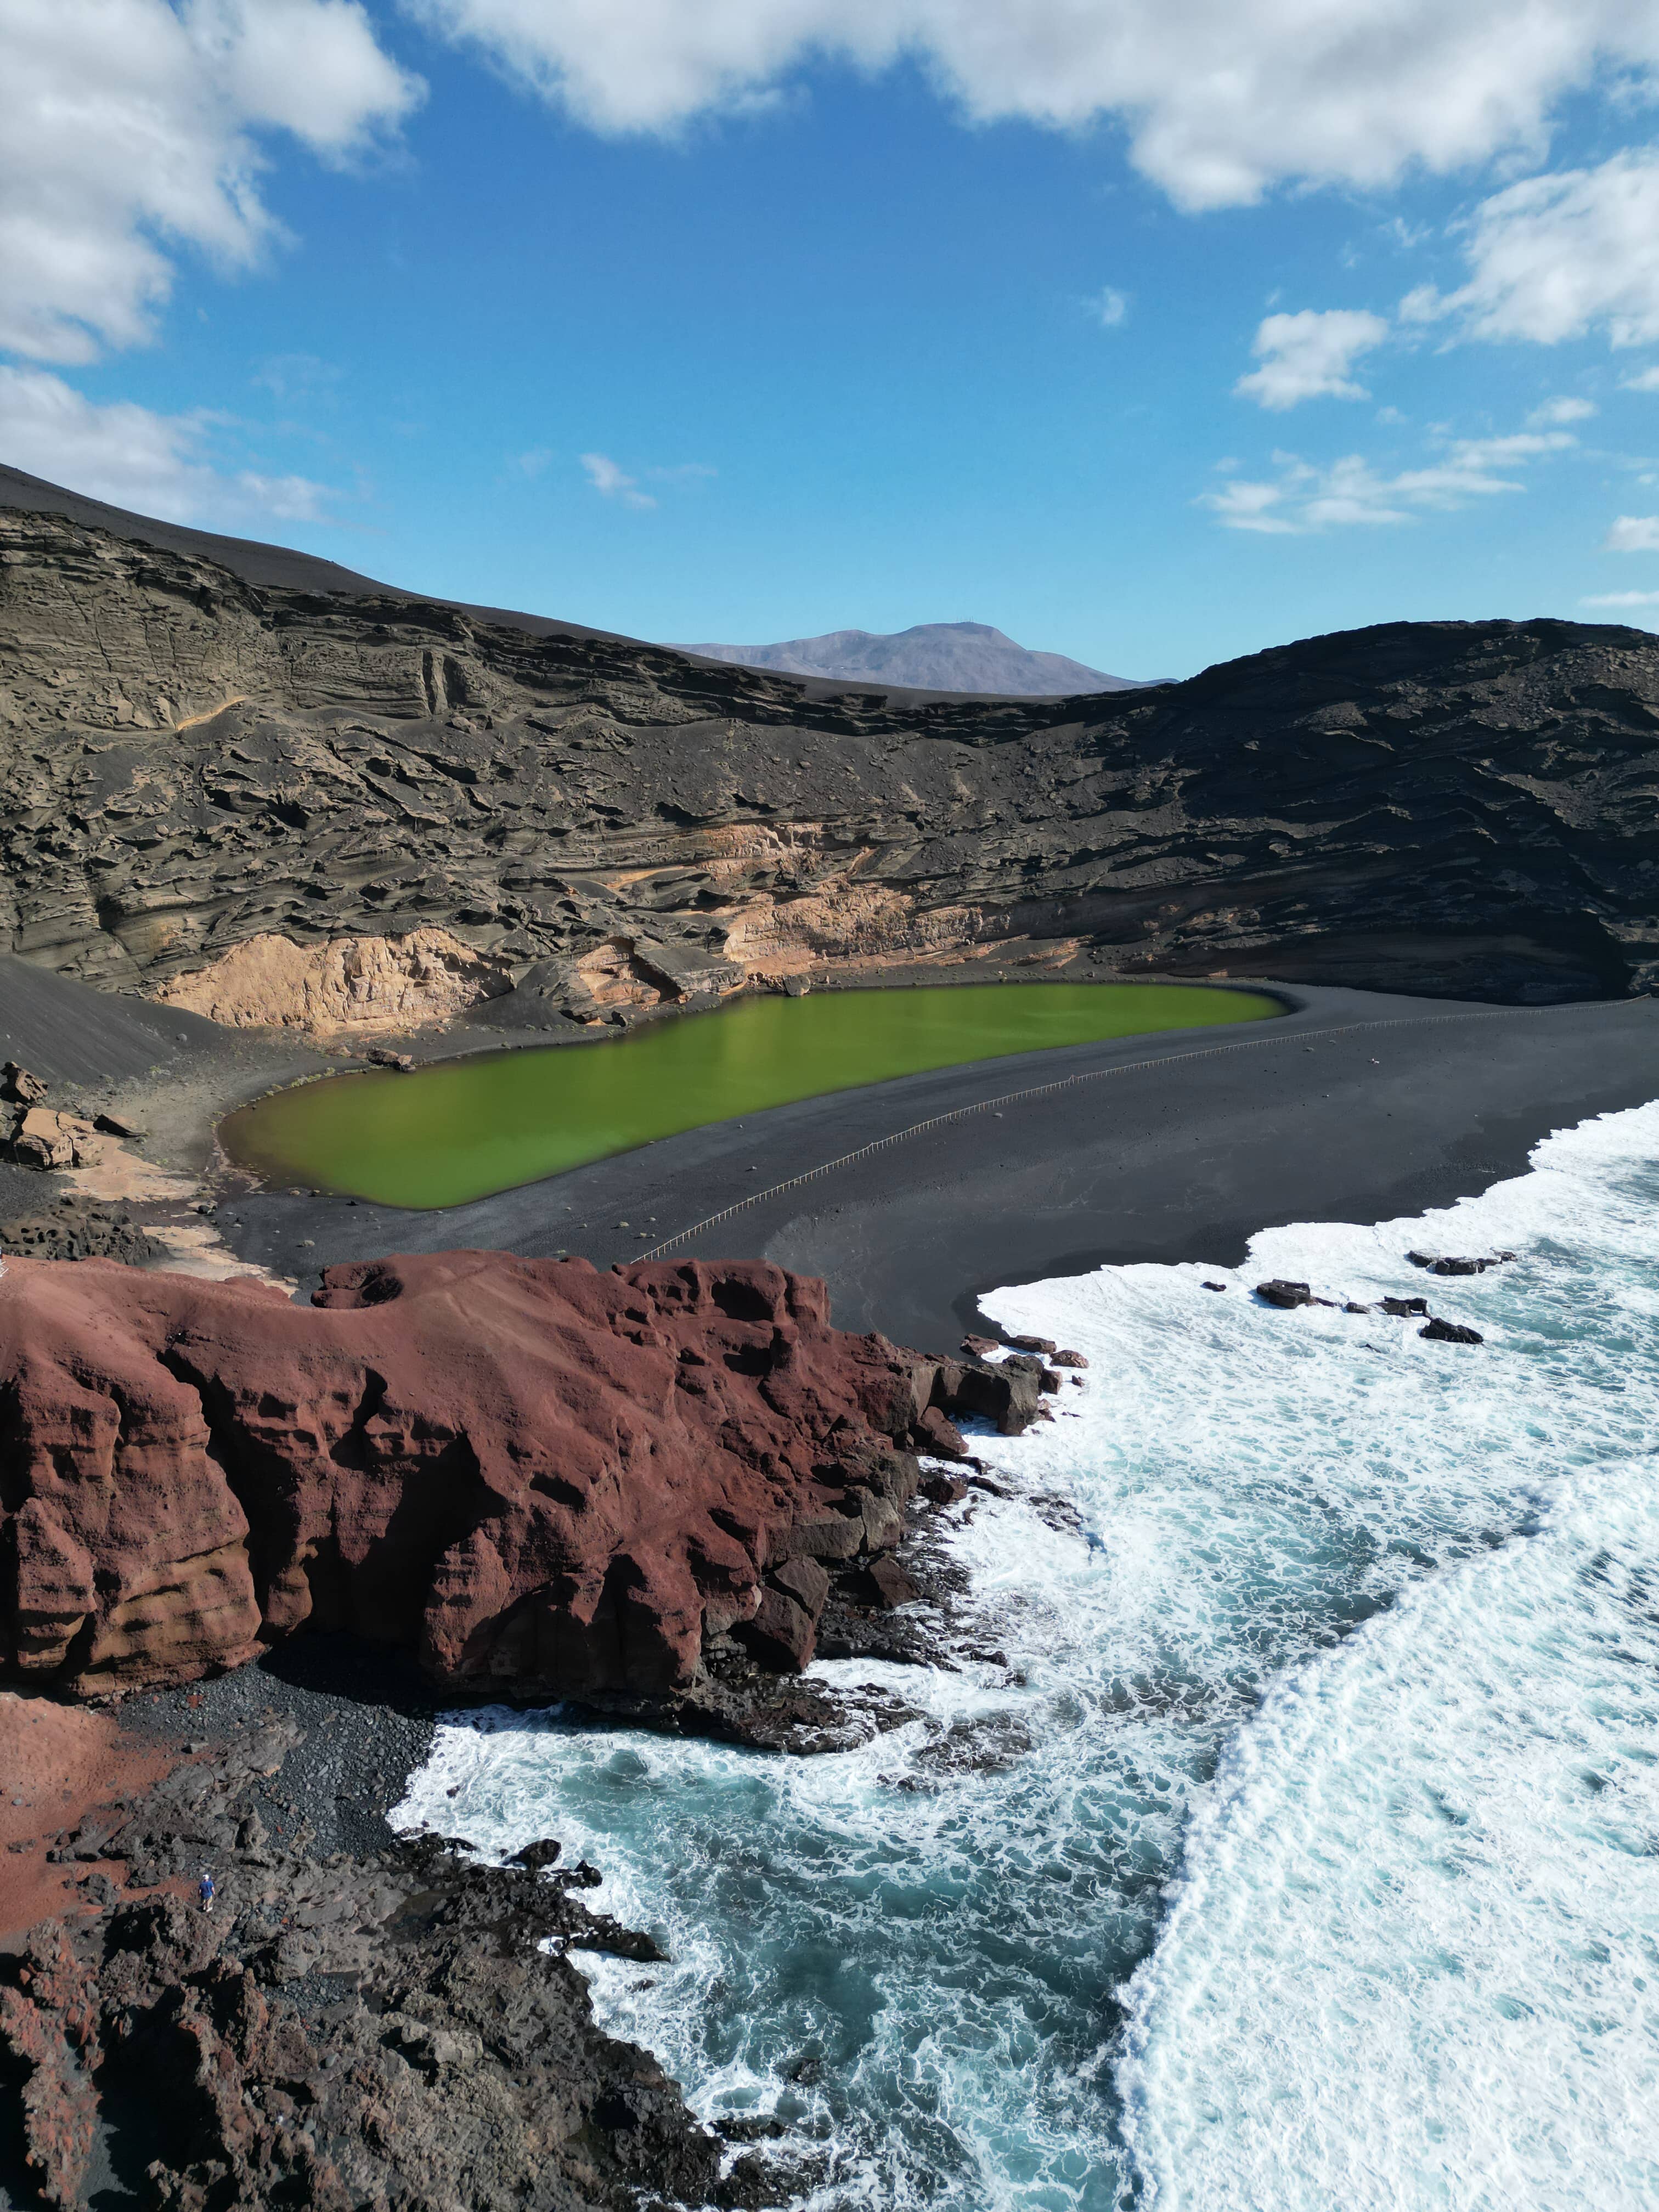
(466,1127)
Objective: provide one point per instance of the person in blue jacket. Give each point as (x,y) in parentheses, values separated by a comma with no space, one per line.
(205,1891)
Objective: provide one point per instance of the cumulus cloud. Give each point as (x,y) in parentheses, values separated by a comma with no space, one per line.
(1556,411)
(1633,533)
(1557,256)
(612,482)
(1221,99)
(160,465)
(1303,498)
(1110,307)
(133,128)
(1646,380)
(1309,356)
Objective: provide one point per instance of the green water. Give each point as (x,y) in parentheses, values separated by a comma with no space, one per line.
(470,1126)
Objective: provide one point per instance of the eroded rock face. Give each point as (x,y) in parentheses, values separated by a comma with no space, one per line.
(193,762)
(349,983)
(528,1472)
(453,2060)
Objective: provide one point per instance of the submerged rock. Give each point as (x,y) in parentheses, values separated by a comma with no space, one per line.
(1446,1265)
(1450,1332)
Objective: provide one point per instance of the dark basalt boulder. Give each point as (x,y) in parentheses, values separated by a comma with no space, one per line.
(1405,1309)
(1450,1332)
(937,1434)
(1284,1295)
(1446,1265)
(999,1392)
(882,1583)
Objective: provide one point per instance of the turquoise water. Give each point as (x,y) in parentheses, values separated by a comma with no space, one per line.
(1312,1859)
(466,1127)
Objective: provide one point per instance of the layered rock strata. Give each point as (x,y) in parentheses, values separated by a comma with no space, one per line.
(534,1476)
(195,765)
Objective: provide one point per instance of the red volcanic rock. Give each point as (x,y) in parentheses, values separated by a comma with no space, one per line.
(530,1474)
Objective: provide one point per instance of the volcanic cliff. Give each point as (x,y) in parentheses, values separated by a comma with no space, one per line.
(332,809)
(532,1476)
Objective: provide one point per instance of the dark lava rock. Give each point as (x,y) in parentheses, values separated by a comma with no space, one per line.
(1448,1265)
(881,1583)
(780,1633)
(1001,1392)
(380,2029)
(1045,1344)
(1284,1295)
(1405,1309)
(81,1229)
(567,805)
(1213,1287)
(936,1433)
(538,1856)
(943,1489)
(980,1347)
(1450,1332)
(1065,1359)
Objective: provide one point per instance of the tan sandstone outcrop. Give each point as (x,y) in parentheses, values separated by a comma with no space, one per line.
(346,983)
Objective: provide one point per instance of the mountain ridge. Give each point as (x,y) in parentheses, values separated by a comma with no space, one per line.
(253,802)
(958,657)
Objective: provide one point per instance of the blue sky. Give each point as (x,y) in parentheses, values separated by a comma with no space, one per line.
(1153,331)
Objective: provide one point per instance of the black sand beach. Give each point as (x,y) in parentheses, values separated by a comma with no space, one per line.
(1356,1105)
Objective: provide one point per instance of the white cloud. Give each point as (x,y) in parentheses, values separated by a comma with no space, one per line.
(1633,533)
(1557,256)
(302,378)
(1562,411)
(1622,599)
(1303,498)
(609,481)
(1309,355)
(131,130)
(160,465)
(533,462)
(1221,99)
(1646,379)
(1110,307)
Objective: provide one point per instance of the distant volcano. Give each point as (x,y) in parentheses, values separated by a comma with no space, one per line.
(963,656)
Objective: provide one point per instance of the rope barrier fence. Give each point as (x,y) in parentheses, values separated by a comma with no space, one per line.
(1065,1083)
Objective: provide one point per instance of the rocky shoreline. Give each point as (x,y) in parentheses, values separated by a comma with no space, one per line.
(366,2017)
(362,2019)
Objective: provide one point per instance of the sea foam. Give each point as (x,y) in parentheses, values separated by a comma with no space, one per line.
(1303,1848)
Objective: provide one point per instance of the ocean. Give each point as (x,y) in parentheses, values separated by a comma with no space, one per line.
(1295,1843)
